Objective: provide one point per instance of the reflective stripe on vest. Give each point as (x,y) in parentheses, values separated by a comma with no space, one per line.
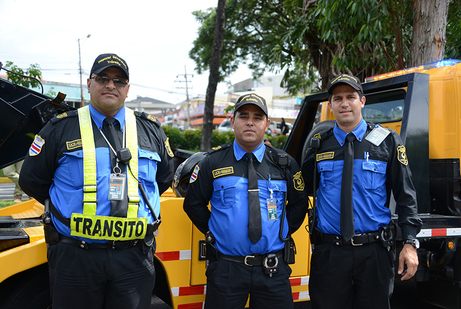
(88,224)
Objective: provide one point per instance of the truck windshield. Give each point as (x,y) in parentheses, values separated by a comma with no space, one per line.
(384,107)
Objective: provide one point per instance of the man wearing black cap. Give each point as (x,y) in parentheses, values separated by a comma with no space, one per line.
(247,184)
(100,171)
(358,164)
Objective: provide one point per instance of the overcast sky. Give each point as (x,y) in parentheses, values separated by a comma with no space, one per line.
(154,37)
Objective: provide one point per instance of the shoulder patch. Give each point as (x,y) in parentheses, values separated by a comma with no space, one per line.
(36,146)
(65,115)
(146,116)
(152,118)
(325,156)
(194,175)
(402,155)
(298,181)
(223,171)
(168,148)
(218,148)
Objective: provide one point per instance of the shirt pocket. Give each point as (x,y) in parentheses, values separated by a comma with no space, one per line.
(147,165)
(278,191)
(326,170)
(226,192)
(374,174)
(70,168)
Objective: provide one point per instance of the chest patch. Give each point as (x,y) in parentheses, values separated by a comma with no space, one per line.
(325,156)
(223,171)
(74,144)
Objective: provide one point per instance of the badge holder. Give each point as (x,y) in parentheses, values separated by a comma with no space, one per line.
(272,208)
(117,184)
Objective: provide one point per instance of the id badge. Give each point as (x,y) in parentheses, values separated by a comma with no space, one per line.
(377,135)
(272,209)
(116,186)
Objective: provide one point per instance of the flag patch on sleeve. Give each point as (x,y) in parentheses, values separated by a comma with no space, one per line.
(36,146)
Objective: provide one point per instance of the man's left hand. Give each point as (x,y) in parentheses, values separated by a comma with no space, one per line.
(409,257)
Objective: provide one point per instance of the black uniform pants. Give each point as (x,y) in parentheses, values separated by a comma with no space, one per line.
(230,283)
(351,277)
(100,278)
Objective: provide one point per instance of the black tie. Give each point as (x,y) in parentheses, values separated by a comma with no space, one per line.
(119,208)
(112,136)
(254,218)
(347,213)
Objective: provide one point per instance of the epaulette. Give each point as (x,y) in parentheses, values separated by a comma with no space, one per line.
(149,117)
(65,115)
(322,135)
(219,148)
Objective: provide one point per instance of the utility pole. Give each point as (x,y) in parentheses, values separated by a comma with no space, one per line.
(80,69)
(185,75)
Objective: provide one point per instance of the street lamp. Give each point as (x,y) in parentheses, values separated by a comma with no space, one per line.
(80,67)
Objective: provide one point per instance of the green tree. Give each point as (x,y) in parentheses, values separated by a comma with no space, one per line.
(213,79)
(312,40)
(453,46)
(33,71)
(30,78)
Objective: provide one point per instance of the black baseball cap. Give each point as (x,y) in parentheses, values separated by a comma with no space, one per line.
(105,61)
(254,99)
(352,81)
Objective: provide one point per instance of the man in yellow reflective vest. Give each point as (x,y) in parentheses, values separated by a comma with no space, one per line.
(100,171)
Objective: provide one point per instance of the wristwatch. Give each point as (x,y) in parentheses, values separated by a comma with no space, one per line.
(414,242)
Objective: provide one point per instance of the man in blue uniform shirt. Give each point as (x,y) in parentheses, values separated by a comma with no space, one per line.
(247,184)
(358,164)
(100,172)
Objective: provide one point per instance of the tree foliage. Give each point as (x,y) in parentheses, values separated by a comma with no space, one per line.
(309,39)
(33,71)
(453,46)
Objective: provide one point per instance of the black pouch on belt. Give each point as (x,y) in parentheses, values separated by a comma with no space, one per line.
(51,234)
(211,252)
(387,236)
(289,251)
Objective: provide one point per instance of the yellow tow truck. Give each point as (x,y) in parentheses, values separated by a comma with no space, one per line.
(423,104)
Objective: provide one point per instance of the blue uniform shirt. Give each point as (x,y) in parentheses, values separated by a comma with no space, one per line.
(369,189)
(229,210)
(66,190)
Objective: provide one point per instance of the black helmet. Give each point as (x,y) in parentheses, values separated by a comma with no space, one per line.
(183,173)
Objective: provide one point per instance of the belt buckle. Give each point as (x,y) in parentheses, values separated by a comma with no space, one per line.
(246,258)
(354,244)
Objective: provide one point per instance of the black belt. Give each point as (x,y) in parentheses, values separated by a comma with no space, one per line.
(357,240)
(249,260)
(116,245)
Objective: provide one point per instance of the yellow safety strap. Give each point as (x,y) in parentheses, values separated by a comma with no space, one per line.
(89,162)
(92,223)
(132,144)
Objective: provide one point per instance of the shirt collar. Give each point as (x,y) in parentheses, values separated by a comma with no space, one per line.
(239,152)
(359,132)
(98,118)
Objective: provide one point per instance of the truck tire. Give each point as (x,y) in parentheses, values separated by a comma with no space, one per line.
(31,291)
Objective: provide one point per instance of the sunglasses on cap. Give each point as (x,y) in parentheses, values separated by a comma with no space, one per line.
(105,80)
